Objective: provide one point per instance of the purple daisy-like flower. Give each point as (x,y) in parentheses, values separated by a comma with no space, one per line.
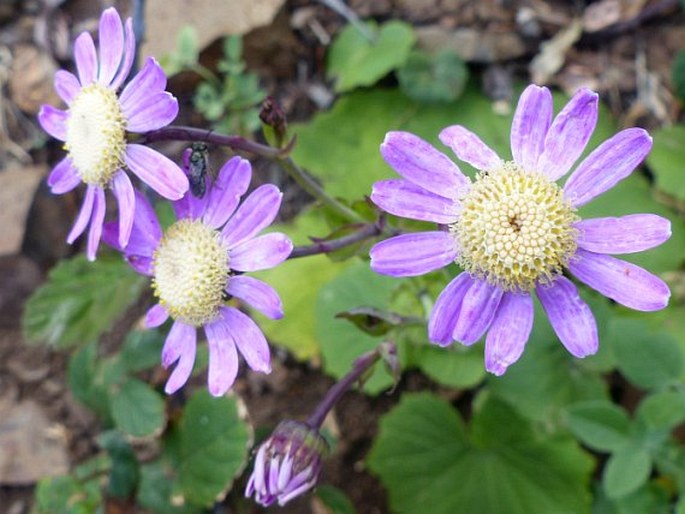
(95,124)
(198,261)
(514,231)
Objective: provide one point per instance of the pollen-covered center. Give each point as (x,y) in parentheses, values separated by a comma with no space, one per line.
(191,272)
(96,134)
(515,229)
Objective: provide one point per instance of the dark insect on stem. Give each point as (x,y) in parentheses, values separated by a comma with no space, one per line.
(197,164)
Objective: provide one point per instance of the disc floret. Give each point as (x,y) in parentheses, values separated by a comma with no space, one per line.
(515,229)
(191,272)
(96,134)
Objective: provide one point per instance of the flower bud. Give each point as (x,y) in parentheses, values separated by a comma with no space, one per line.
(287,464)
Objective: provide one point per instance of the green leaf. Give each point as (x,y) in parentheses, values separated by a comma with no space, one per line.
(599,424)
(155,490)
(425,457)
(341,342)
(648,358)
(666,158)
(678,73)
(137,409)
(213,448)
(356,61)
(626,470)
(454,366)
(298,282)
(142,350)
(125,472)
(186,54)
(80,300)
(433,78)
(335,500)
(663,410)
(84,380)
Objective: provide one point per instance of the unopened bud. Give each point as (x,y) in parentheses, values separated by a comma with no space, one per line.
(287,464)
(273,117)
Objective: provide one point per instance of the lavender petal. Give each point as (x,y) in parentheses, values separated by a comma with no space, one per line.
(156,316)
(623,282)
(421,163)
(607,165)
(403,198)
(86,59)
(443,317)
(180,345)
(111,43)
(249,339)
(256,294)
(468,147)
(63,177)
(263,252)
(413,254)
(570,317)
(156,111)
(67,86)
(54,121)
(478,308)
(223,357)
(529,127)
(255,214)
(96,221)
(231,184)
(149,80)
(126,200)
(128,57)
(627,234)
(569,134)
(83,216)
(509,332)
(157,171)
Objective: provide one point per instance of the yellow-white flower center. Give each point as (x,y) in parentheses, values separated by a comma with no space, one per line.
(96,130)
(191,272)
(515,228)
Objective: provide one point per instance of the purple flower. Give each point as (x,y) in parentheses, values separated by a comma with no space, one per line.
(287,464)
(514,231)
(94,128)
(198,261)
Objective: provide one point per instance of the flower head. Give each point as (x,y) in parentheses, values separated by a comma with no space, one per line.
(514,231)
(94,128)
(287,464)
(196,265)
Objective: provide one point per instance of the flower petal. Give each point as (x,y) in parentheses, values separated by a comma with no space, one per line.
(403,198)
(529,127)
(623,282)
(142,265)
(231,184)
(151,79)
(413,254)
(424,165)
(156,316)
(569,134)
(627,234)
(607,165)
(443,317)
(249,338)
(145,232)
(477,311)
(111,43)
(123,191)
(256,213)
(96,221)
(63,177)
(223,357)
(67,85)
(129,55)
(83,216)
(508,332)
(157,171)
(86,59)
(468,147)
(262,252)
(54,121)
(156,111)
(256,294)
(180,345)
(570,317)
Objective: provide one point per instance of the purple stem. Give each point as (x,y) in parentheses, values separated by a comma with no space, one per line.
(365,232)
(360,366)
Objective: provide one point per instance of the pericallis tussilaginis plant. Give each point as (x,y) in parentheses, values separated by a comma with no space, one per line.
(480,250)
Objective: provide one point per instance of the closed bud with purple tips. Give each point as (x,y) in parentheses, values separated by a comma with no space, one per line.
(287,464)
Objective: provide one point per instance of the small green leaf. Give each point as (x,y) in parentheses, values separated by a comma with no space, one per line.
(156,490)
(626,470)
(125,472)
(335,500)
(678,73)
(433,78)
(648,358)
(425,457)
(356,61)
(137,409)
(85,382)
(667,156)
(80,300)
(599,424)
(663,410)
(455,366)
(213,448)
(142,350)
